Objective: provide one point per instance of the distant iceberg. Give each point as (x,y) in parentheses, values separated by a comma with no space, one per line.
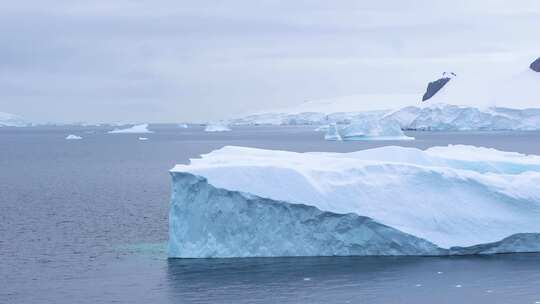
(143,138)
(237,202)
(73,137)
(332,133)
(372,128)
(12,120)
(183,126)
(137,129)
(217,127)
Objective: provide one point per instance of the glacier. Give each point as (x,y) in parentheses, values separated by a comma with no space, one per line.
(239,202)
(446,117)
(430,116)
(137,129)
(371,128)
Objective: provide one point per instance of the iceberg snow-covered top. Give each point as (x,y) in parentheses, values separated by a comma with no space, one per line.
(451,196)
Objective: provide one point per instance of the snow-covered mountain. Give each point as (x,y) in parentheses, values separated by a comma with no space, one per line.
(12,120)
(237,202)
(478,100)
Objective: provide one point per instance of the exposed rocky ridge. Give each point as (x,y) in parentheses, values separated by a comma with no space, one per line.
(435,86)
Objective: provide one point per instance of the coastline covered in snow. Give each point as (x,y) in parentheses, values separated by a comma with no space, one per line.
(452,197)
(471,100)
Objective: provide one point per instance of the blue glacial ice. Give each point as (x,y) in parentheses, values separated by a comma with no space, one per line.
(239,202)
(367,128)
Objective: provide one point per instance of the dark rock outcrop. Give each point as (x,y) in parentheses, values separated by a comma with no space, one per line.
(435,86)
(535,65)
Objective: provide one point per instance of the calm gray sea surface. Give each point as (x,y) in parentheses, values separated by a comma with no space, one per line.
(86,222)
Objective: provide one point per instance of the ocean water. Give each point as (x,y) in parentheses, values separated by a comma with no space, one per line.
(86,222)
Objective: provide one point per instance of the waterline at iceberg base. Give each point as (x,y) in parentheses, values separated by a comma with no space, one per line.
(244,202)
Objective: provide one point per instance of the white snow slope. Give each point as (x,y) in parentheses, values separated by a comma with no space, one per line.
(450,196)
(137,129)
(476,99)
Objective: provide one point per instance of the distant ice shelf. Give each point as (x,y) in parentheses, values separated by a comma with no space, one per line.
(137,129)
(238,202)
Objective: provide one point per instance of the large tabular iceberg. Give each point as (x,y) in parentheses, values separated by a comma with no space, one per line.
(137,129)
(387,201)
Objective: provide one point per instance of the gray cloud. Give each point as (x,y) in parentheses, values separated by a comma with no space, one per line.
(199,60)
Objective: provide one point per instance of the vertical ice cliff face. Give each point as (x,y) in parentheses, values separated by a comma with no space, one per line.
(206,221)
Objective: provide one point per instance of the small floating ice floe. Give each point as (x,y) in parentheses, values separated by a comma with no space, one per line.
(307,279)
(143,138)
(73,137)
(143,128)
(458,286)
(183,126)
(418,285)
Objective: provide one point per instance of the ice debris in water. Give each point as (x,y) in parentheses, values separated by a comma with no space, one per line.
(73,137)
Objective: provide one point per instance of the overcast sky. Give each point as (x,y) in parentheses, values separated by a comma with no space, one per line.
(167,61)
